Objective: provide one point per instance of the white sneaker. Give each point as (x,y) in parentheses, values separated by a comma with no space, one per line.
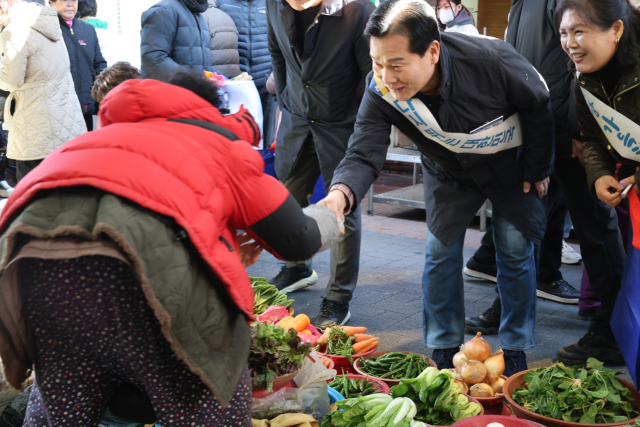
(569,256)
(5,189)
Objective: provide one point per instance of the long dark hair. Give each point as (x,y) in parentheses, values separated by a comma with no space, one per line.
(603,14)
(457,3)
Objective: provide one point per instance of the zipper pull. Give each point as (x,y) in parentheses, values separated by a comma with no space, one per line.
(223,240)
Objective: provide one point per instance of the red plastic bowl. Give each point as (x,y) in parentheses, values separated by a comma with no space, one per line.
(383,387)
(484,420)
(343,360)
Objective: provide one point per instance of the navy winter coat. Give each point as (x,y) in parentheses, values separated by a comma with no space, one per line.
(173,36)
(83,74)
(250,18)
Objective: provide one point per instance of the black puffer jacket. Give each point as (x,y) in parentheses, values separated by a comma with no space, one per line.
(250,18)
(84,68)
(172,36)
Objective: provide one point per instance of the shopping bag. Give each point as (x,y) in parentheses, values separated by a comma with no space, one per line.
(625,320)
(244,93)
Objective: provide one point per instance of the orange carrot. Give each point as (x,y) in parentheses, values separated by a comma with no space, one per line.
(352,330)
(358,347)
(370,346)
(325,336)
(285,321)
(300,323)
(306,332)
(362,337)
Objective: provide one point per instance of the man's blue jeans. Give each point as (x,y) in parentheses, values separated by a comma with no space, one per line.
(443,289)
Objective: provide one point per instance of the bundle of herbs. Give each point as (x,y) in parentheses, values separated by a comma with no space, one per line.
(274,352)
(338,343)
(589,394)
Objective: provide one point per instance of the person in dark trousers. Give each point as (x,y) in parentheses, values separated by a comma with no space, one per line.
(532,31)
(320,60)
(175,34)
(431,87)
(251,21)
(84,54)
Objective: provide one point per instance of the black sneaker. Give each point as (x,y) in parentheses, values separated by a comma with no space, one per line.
(488,322)
(332,313)
(514,362)
(559,291)
(586,315)
(481,271)
(600,347)
(444,357)
(293,278)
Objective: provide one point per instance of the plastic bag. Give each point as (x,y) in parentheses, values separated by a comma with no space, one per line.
(245,93)
(311,397)
(13,415)
(312,338)
(273,314)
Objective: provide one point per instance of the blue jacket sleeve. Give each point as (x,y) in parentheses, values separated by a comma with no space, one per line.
(157,35)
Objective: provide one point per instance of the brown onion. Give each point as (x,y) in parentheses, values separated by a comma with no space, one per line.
(473,372)
(456,373)
(459,359)
(496,386)
(477,348)
(464,388)
(495,367)
(481,390)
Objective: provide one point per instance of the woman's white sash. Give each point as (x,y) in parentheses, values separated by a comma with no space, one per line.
(617,128)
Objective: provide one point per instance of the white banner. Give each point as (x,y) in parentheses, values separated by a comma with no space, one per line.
(489,139)
(616,127)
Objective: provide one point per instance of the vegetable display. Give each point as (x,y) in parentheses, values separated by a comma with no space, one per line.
(437,397)
(376,410)
(477,371)
(266,295)
(588,394)
(274,352)
(394,366)
(351,387)
(346,341)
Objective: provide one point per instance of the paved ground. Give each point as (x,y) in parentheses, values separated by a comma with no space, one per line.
(388,298)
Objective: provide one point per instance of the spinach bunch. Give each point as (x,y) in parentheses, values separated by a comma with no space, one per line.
(589,394)
(275,351)
(339,344)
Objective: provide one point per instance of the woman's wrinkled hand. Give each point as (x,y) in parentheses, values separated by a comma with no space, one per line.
(249,250)
(609,190)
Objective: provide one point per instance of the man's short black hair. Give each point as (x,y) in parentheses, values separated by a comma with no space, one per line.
(414,19)
(196,83)
(87,8)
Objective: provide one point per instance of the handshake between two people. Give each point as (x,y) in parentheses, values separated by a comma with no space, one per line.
(330,224)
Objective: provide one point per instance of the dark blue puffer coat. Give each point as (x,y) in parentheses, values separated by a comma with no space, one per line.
(172,36)
(250,17)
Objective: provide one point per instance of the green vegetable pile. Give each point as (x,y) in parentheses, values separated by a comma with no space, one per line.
(266,295)
(351,387)
(275,351)
(376,410)
(338,344)
(585,395)
(394,366)
(437,397)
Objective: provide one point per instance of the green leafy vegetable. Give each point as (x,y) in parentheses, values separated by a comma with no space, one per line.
(437,397)
(275,351)
(266,295)
(589,394)
(376,410)
(338,344)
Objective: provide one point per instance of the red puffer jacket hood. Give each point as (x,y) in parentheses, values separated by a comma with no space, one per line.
(210,185)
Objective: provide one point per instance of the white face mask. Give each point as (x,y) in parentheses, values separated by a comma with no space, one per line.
(446,16)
